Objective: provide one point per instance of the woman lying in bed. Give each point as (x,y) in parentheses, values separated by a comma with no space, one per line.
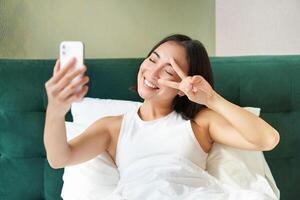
(160,148)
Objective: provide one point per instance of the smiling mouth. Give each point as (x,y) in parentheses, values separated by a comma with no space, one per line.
(149,84)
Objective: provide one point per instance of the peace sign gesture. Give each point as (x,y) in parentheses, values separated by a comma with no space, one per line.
(196,88)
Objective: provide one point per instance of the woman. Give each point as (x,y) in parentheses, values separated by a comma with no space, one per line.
(180,119)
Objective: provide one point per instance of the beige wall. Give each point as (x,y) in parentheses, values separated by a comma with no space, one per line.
(109,28)
(256,27)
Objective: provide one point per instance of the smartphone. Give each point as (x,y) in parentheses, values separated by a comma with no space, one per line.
(69,49)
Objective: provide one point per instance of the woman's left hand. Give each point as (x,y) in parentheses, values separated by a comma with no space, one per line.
(196,88)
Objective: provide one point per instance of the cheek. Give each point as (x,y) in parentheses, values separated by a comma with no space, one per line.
(139,78)
(168,90)
(142,69)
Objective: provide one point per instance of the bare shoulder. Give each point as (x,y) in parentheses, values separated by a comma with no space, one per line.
(200,125)
(205,122)
(206,116)
(203,117)
(113,124)
(93,141)
(110,125)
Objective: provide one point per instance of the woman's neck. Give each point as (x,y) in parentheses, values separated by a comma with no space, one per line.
(151,111)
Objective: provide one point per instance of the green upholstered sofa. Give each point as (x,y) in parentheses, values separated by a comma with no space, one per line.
(269,82)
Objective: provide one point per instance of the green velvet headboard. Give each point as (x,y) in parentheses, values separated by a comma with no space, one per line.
(269,82)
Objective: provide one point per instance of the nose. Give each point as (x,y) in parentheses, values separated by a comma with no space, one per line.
(155,71)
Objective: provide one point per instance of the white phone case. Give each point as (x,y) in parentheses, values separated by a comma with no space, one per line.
(69,49)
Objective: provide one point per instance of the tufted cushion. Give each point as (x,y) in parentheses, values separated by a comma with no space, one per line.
(269,82)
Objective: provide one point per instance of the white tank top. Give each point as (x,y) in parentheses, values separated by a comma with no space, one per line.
(171,134)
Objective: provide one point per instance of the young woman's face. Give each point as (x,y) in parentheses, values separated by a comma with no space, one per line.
(157,66)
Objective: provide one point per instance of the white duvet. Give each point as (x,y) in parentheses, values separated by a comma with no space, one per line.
(163,177)
(174,177)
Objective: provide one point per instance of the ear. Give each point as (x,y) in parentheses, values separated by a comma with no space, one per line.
(180,93)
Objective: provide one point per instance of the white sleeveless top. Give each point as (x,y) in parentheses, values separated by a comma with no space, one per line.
(171,134)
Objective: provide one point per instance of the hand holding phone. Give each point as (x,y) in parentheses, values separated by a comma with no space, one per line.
(62,92)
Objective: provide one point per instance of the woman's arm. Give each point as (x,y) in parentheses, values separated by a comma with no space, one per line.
(92,142)
(228,123)
(253,129)
(55,139)
(62,92)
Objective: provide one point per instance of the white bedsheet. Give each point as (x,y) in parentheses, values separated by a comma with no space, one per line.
(175,177)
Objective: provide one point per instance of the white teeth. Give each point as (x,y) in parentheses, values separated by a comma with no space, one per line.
(149,84)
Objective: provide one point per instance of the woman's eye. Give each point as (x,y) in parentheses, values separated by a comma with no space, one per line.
(151,60)
(169,73)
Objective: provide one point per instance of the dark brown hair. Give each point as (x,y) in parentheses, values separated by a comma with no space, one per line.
(199,64)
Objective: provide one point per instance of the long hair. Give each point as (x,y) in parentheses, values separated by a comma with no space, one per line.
(199,64)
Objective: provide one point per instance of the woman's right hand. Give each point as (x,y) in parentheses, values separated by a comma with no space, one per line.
(61,91)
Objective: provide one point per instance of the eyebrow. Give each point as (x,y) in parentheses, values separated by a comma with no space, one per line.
(156,54)
(159,57)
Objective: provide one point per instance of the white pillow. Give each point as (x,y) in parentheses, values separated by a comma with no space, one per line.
(245,169)
(90,109)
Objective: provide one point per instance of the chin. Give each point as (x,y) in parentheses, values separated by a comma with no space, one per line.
(144,94)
